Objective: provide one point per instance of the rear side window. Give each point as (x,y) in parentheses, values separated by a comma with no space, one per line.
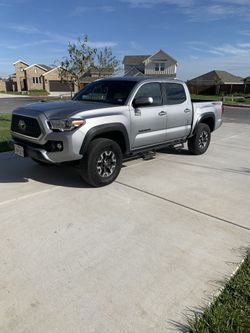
(175,93)
(151,90)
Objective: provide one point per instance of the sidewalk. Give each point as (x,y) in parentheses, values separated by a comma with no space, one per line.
(2,95)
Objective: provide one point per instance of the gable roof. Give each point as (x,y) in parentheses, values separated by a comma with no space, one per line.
(45,68)
(217,76)
(23,62)
(51,70)
(160,53)
(134,59)
(134,72)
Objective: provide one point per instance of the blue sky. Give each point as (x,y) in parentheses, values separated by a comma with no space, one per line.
(201,35)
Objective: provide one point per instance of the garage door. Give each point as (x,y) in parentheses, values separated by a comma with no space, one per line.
(59,86)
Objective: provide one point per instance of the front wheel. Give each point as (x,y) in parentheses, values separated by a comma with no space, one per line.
(198,144)
(102,162)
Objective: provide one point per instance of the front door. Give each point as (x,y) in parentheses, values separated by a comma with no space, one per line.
(148,123)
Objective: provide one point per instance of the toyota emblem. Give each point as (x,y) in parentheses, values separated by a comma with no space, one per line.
(22,125)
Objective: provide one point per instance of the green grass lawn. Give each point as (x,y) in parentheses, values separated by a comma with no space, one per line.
(231,100)
(230,312)
(5,121)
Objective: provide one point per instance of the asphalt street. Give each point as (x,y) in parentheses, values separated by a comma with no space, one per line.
(7,105)
(232,114)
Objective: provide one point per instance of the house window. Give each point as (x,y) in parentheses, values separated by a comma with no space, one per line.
(34,80)
(159,67)
(40,79)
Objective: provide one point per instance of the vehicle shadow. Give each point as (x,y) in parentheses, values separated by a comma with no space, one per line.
(173,151)
(19,170)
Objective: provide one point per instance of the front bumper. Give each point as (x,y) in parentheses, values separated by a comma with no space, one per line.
(47,151)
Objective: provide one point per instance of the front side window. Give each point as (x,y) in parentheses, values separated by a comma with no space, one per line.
(113,92)
(150,90)
(175,93)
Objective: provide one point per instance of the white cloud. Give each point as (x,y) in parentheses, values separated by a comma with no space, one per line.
(200,11)
(100,45)
(233,58)
(237,65)
(151,3)
(23,28)
(81,10)
(221,50)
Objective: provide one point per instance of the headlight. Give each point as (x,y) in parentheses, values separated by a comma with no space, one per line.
(66,124)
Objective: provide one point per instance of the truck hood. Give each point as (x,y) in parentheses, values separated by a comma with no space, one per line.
(59,110)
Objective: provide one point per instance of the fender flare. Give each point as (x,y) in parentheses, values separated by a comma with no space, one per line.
(203,117)
(104,129)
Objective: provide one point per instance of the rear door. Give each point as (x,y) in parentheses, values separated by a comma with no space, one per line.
(148,123)
(179,111)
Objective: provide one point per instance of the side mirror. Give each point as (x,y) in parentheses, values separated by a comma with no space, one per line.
(143,101)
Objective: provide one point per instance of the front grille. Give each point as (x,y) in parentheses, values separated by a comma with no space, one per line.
(26,126)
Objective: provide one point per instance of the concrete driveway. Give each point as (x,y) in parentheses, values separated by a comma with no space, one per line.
(130,257)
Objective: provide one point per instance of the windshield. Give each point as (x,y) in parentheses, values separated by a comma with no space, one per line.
(113,92)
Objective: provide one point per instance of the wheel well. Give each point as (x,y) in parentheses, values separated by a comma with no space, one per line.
(208,121)
(116,136)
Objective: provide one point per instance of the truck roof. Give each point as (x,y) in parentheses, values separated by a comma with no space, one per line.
(141,78)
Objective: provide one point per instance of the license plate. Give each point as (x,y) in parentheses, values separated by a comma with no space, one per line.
(19,150)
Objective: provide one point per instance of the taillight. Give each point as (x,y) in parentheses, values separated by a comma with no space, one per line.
(222,109)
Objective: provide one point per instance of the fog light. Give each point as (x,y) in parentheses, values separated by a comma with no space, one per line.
(59,146)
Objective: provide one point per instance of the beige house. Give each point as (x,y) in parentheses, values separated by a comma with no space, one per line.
(3,87)
(158,64)
(94,74)
(39,77)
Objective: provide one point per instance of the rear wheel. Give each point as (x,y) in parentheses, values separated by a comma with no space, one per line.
(198,144)
(102,162)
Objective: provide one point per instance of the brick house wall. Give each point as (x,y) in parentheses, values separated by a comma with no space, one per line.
(3,87)
(20,75)
(34,77)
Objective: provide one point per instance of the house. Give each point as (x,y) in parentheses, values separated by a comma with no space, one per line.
(39,77)
(94,74)
(158,64)
(216,82)
(6,85)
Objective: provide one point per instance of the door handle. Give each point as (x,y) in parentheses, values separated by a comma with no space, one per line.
(187,110)
(162,113)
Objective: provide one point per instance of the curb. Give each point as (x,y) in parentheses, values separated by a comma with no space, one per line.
(237,105)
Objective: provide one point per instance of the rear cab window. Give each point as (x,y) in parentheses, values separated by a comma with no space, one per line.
(174,93)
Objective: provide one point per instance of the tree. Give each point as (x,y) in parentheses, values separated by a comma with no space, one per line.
(106,60)
(81,57)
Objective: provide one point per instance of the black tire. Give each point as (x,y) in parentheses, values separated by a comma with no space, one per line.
(41,162)
(198,144)
(102,162)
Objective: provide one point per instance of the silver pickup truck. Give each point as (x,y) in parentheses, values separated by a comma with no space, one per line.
(111,120)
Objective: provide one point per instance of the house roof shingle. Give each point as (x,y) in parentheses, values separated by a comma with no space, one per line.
(134,72)
(217,76)
(45,67)
(134,59)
